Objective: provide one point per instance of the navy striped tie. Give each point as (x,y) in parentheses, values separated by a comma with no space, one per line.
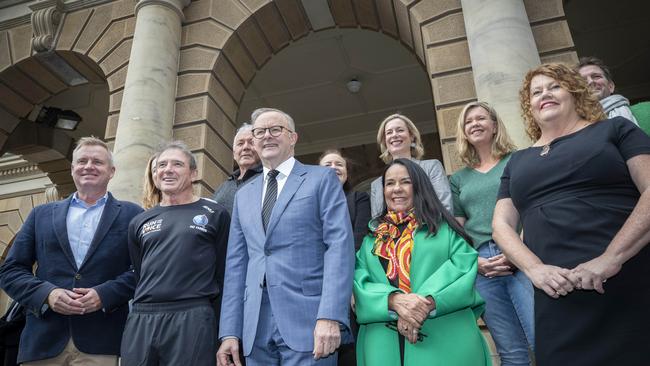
(270,197)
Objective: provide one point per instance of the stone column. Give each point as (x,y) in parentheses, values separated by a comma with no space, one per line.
(502,50)
(147,111)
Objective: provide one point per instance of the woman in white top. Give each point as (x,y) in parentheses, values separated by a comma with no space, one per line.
(399,138)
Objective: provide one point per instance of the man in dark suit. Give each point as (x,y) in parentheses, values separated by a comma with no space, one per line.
(290,258)
(77,299)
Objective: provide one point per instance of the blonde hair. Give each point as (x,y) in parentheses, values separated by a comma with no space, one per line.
(586,105)
(150,193)
(502,145)
(417,151)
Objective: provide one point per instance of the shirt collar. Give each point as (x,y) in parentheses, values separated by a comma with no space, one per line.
(249,173)
(79,202)
(284,168)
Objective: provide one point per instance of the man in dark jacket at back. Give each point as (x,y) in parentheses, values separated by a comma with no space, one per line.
(248,164)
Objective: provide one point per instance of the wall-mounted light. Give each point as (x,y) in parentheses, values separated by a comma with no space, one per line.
(353,85)
(58,118)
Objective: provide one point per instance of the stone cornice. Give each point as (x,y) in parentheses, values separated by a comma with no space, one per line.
(22,10)
(73,5)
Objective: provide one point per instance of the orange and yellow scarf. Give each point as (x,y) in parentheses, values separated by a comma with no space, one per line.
(396,248)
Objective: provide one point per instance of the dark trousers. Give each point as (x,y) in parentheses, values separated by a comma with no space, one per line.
(172,333)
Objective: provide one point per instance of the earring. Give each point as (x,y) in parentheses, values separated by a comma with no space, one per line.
(413,145)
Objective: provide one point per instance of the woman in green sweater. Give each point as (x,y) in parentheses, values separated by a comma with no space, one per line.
(414,281)
(484,146)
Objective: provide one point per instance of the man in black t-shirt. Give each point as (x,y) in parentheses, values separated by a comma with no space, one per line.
(178,252)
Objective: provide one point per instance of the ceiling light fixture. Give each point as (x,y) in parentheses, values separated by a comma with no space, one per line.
(353,85)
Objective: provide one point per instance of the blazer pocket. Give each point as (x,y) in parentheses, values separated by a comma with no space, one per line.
(312,287)
(299,197)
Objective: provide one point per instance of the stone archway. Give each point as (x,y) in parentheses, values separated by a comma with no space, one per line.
(64,80)
(225,42)
(61,53)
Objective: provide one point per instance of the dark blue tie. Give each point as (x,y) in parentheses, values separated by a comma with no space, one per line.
(270,197)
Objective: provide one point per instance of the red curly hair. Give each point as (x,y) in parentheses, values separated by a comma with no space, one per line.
(587,106)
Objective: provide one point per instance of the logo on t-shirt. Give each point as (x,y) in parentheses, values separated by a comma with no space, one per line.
(200,220)
(199,223)
(151,226)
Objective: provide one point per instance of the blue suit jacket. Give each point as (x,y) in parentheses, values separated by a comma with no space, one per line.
(307,255)
(43,239)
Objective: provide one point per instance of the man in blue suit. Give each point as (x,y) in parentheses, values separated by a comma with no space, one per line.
(290,259)
(77,300)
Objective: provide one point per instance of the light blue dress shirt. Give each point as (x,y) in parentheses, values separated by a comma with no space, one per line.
(81,222)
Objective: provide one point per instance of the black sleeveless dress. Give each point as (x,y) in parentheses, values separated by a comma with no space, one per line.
(572,202)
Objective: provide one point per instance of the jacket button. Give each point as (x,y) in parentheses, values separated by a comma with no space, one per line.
(77,276)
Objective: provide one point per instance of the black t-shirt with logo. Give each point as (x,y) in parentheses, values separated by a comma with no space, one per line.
(179,252)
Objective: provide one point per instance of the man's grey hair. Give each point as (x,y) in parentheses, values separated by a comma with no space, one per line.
(178,145)
(92,141)
(259,111)
(244,128)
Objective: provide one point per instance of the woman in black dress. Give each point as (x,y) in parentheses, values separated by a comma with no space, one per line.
(359,209)
(358,202)
(582,193)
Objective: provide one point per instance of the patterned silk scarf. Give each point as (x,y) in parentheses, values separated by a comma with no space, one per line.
(396,248)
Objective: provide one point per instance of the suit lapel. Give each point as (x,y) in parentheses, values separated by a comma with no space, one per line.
(351,198)
(294,180)
(255,201)
(111,211)
(59,222)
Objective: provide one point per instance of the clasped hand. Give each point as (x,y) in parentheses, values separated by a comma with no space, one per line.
(412,310)
(497,265)
(77,301)
(556,281)
(593,274)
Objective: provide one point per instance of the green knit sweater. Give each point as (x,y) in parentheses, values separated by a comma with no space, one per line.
(474,196)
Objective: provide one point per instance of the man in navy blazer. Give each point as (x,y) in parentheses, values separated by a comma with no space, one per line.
(77,299)
(290,258)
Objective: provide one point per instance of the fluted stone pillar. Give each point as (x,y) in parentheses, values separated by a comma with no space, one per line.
(147,111)
(502,50)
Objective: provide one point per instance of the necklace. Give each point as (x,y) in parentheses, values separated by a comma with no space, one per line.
(547,148)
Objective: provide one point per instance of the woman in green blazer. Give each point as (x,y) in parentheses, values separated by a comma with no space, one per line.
(414,281)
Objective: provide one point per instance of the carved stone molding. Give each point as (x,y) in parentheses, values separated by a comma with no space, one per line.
(45,22)
(19,171)
(52,194)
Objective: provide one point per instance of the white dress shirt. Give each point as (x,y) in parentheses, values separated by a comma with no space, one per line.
(285,169)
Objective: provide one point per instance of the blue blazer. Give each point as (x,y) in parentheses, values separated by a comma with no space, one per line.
(43,239)
(307,255)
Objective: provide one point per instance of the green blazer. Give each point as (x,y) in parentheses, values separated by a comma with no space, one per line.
(442,266)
